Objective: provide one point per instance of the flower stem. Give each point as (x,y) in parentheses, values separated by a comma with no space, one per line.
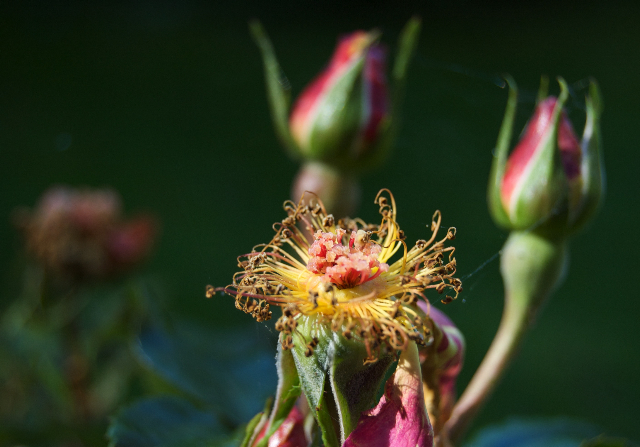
(532,267)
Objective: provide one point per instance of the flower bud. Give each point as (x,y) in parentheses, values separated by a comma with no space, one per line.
(550,180)
(346,117)
(340,115)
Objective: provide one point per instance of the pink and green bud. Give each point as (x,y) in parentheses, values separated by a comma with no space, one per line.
(347,117)
(400,419)
(341,114)
(441,363)
(544,180)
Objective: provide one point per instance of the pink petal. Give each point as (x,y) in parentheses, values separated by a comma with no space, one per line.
(400,418)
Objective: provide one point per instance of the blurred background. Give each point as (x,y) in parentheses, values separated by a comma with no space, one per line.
(165,102)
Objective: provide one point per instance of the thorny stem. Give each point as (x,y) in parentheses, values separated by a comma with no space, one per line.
(532,266)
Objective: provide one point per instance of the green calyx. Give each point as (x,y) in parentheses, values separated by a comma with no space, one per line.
(338,385)
(499,162)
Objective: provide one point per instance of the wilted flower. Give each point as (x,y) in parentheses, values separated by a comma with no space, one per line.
(550,177)
(80,234)
(343,280)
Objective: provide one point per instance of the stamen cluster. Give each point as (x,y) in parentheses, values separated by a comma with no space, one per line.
(346,266)
(342,278)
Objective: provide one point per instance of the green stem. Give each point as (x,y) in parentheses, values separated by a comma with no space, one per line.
(532,267)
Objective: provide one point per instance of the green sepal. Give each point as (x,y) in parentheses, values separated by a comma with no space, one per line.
(286,395)
(354,384)
(253,428)
(592,165)
(278,88)
(313,377)
(543,91)
(542,201)
(337,122)
(407,44)
(500,153)
(406,48)
(335,379)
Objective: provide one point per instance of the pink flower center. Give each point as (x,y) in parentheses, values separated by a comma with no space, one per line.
(349,265)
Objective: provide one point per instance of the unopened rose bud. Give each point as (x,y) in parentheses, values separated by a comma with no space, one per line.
(348,115)
(340,115)
(550,180)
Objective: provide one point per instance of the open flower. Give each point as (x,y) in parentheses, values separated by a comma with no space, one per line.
(343,278)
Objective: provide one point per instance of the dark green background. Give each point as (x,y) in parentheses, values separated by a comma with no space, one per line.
(165,102)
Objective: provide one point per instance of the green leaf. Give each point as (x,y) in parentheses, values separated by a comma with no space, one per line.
(231,371)
(167,422)
(278,88)
(541,433)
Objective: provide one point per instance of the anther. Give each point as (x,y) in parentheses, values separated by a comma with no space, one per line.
(289,221)
(447,299)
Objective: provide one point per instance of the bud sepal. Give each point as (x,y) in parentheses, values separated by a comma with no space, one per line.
(335,379)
